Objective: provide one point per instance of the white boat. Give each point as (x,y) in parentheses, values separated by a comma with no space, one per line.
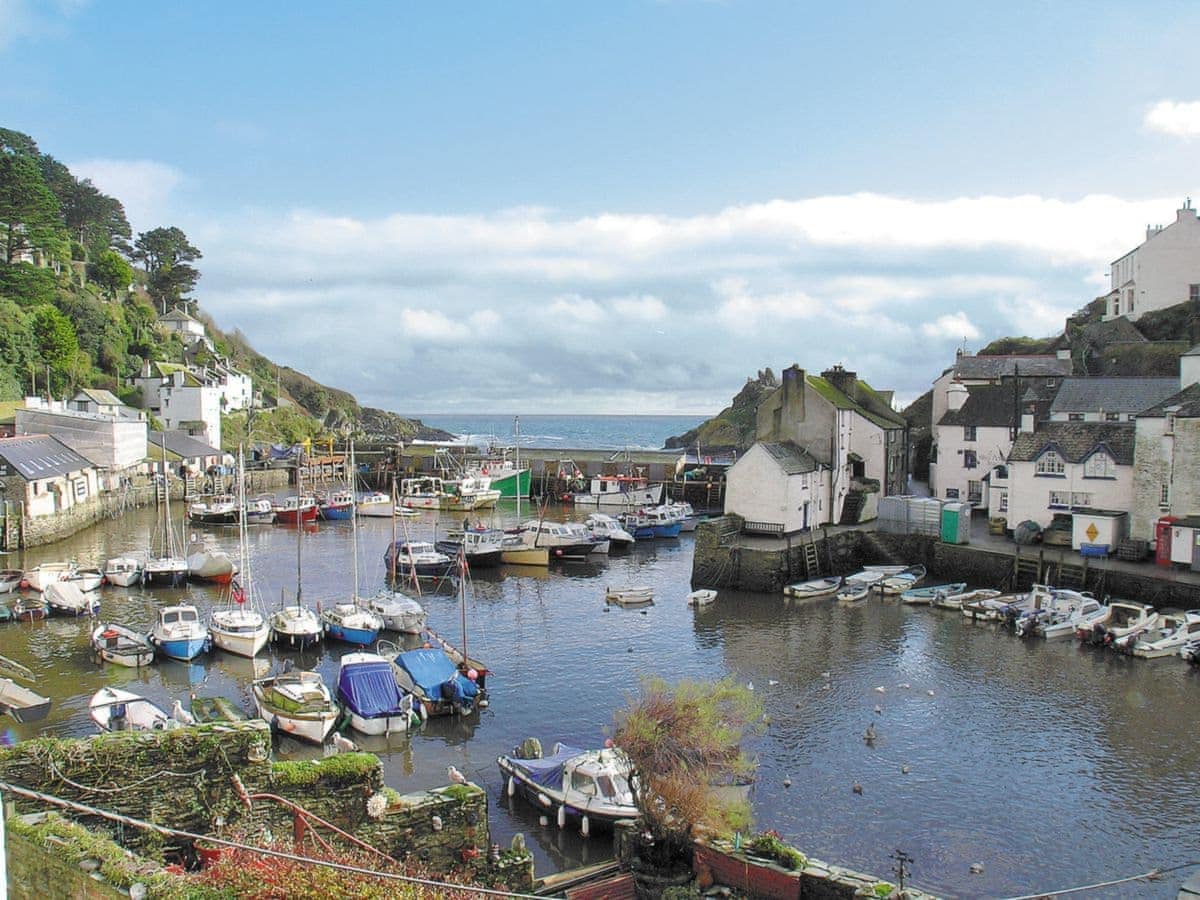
(1088,612)
(122,646)
(955,601)
(1124,617)
(10,580)
(297,704)
(48,573)
(165,570)
(113,709)
(600,545)
(629,596)
(209,563)
(66,599)
(404,558)
(367,689)
(626,492)
(397,611)
(906,580)
(123,571)
(88,579)
(606,527)
(296,625)
(885,570)
(1051,607)
(179,634)
(260,511)
(515,552)
(376,505)
(165,563)
(470,493)
(816,587)
(854,591)
(683,511)
(701,597)
(559,540)
(239,627)
(870,577)
(925,595)
(1003,606)
(1172,632)
(592,786)
(21,703)
(1191,652)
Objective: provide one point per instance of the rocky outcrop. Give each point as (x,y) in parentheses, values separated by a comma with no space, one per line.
(733,427)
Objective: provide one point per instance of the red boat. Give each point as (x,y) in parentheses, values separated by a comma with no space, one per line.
(296,509)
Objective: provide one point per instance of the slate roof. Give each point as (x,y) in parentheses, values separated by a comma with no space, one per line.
(178,315)
(987,406)
(1076,441)
(1187,401)
(104,398)
(1114,331)
(791,458)
(1195,351)
(1116,394)
(181,444)
(999,366)
(37,456)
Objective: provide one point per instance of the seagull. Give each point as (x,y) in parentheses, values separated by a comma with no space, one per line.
(904,685)
(181,715)
(905,769)
(881,690)
(869,734)
(930,693)
(787,782)
(771,682)
(343,744)
(826,675)
(455,776)
(749,685)
(878,710)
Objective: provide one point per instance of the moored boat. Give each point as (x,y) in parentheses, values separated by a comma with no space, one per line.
(1169,635)
(213,509)
(1061,625)
(66,599)
(854,591)
(260,511)
(239,628)
(591,786)
(48,573)
(406,558)
(86,579)
(21,703)
(30,608)
(297,704)
(209,563)
(606,527)
(123,571)
(376,505)
(816,587)
(351,623)
(439,684)
(367,689)
(560,541)
(620,491)
(113,709)
(397,611)
(337,506)
(10,580)
(955,601)
(295,626)
(638,595)
(1124,617)
(701,597)
(482,548)
(925,595)
(179,634)
(894,585)
(121,646)
(295,510)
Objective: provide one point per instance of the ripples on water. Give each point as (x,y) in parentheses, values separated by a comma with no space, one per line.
(1052,765)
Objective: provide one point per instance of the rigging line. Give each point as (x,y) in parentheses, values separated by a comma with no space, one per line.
(1148,876)
(164,830)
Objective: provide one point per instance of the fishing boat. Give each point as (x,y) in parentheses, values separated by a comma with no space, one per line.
(213,509)
(955,601)
(367,689)
(30,608)
(337,506)
(121,646)
(924,595)
(123,571)
(591,786)
(66,599)
(606,527)
(816,587)
(206,710)
(701,597)
(686,514)
(10,580)
(639,595)
(21,703)
(515,552)
(377,505)
(468,494)
(296,625)
(894,585)
(620,491)
(48,573)
(482,547)
(397,611)
(423,492)
(560,541)
(260,511)
(179,634)
(663,522)
(295,509)
(239,627)
(297,704)
(1172,632)
(113,709)
(1124,617)
(406,558)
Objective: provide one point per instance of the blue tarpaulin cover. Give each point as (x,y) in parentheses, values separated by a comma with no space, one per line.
(369,688)
(546,772)
(436,674)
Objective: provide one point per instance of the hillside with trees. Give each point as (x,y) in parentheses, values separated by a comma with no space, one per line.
(80,296)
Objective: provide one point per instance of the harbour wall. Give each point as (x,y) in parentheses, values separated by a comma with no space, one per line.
(725,559)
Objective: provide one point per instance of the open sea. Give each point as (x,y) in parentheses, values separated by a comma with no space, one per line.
(614,432)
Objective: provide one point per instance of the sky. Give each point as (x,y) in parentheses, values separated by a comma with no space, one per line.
(621,207)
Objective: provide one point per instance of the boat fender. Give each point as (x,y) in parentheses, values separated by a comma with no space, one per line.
(562,816)
(544,800)
(510,786)
(584,826)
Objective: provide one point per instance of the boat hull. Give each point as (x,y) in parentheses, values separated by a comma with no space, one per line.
(527,556)
(311,729)
(337,513)
(294,516)
(240,643)
(183,649)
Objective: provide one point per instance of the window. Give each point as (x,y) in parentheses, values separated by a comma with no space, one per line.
(968,432)
(1170,429)
(1003,505)
(1060,499)
(974,491)
(1164,494)
(1099,465)
(1081,498)
(1012,434)
(1050,463)
(1074,417)
(1112,417)
(970,460)
(951,493)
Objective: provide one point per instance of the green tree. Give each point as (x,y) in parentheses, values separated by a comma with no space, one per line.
(17,348)
(29,214)
(56,342)
(112,273)
(683,743)
(166,254)
(28,285)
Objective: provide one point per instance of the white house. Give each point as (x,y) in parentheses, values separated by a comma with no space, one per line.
(181,400)
(973,436)
(45,475)
(190,329)
(779,488)
(1042,371)
(843,424)
(1162,271)
(1108,399)
(237,388)
(1166,465)
(1063,466)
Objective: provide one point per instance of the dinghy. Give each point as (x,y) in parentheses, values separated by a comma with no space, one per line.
(113,709)
(21,703)
(123,571)
(31,608)
(638,595)
(854,592)
(955,601)
(701,597)
(122,646)
(48,573)
(88,579)
(398,612)
(894,585)
(817,587)
(66,599)
(925,595)
(10,580)
(297,704)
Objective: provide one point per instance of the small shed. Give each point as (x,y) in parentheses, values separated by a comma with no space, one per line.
(956,523)
(1185,540)
(1098,531)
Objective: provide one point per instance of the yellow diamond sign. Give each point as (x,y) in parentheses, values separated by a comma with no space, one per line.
(1092,532)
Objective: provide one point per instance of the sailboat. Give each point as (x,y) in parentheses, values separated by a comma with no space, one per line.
(350,621)
(296,625)
(239,627)
(513,549)
(167,564)
(397,610)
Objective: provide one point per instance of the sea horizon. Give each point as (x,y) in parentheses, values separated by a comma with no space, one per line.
(583,431)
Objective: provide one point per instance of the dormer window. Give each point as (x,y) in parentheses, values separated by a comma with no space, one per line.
(1050,463)
(1099,465)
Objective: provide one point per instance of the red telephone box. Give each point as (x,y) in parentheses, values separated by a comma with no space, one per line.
(1162,540)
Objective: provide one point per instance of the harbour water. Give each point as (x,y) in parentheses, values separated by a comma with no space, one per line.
(1050,765)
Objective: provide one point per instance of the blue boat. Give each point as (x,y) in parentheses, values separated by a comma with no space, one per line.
(441,685)
(179,633)
(638,525)
(337,506)
(351,623)
(663,522)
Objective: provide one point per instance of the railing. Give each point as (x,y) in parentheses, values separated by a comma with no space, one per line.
(750,527)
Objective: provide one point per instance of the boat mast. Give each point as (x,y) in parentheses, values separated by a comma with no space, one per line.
(517,437)
(299,518)
(394,553)
(243,544)
(354,527)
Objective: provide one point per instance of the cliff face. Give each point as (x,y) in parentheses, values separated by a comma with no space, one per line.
(733,427)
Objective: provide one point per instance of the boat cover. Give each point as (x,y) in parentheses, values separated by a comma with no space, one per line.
(369,688)
(435,673)
(546,772)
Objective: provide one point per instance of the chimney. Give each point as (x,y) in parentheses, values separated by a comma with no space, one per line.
(842,379)
(1185,211)
(956,395)
(1027,418)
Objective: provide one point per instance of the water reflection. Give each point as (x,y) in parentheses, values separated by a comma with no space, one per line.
(1024,754)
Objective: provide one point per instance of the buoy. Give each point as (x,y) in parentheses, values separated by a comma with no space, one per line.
(787,782)
(562,816)
(584,827)
(856,787)
(510,787)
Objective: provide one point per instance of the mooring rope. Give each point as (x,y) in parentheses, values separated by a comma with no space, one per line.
(1145,876)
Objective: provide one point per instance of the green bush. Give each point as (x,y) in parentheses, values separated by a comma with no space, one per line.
(769,846)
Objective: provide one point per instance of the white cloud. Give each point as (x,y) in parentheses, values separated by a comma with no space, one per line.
(143,186)
(573,311)
(952,325)
(22,19)
(646,308)
(1174,117)
(425,324)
